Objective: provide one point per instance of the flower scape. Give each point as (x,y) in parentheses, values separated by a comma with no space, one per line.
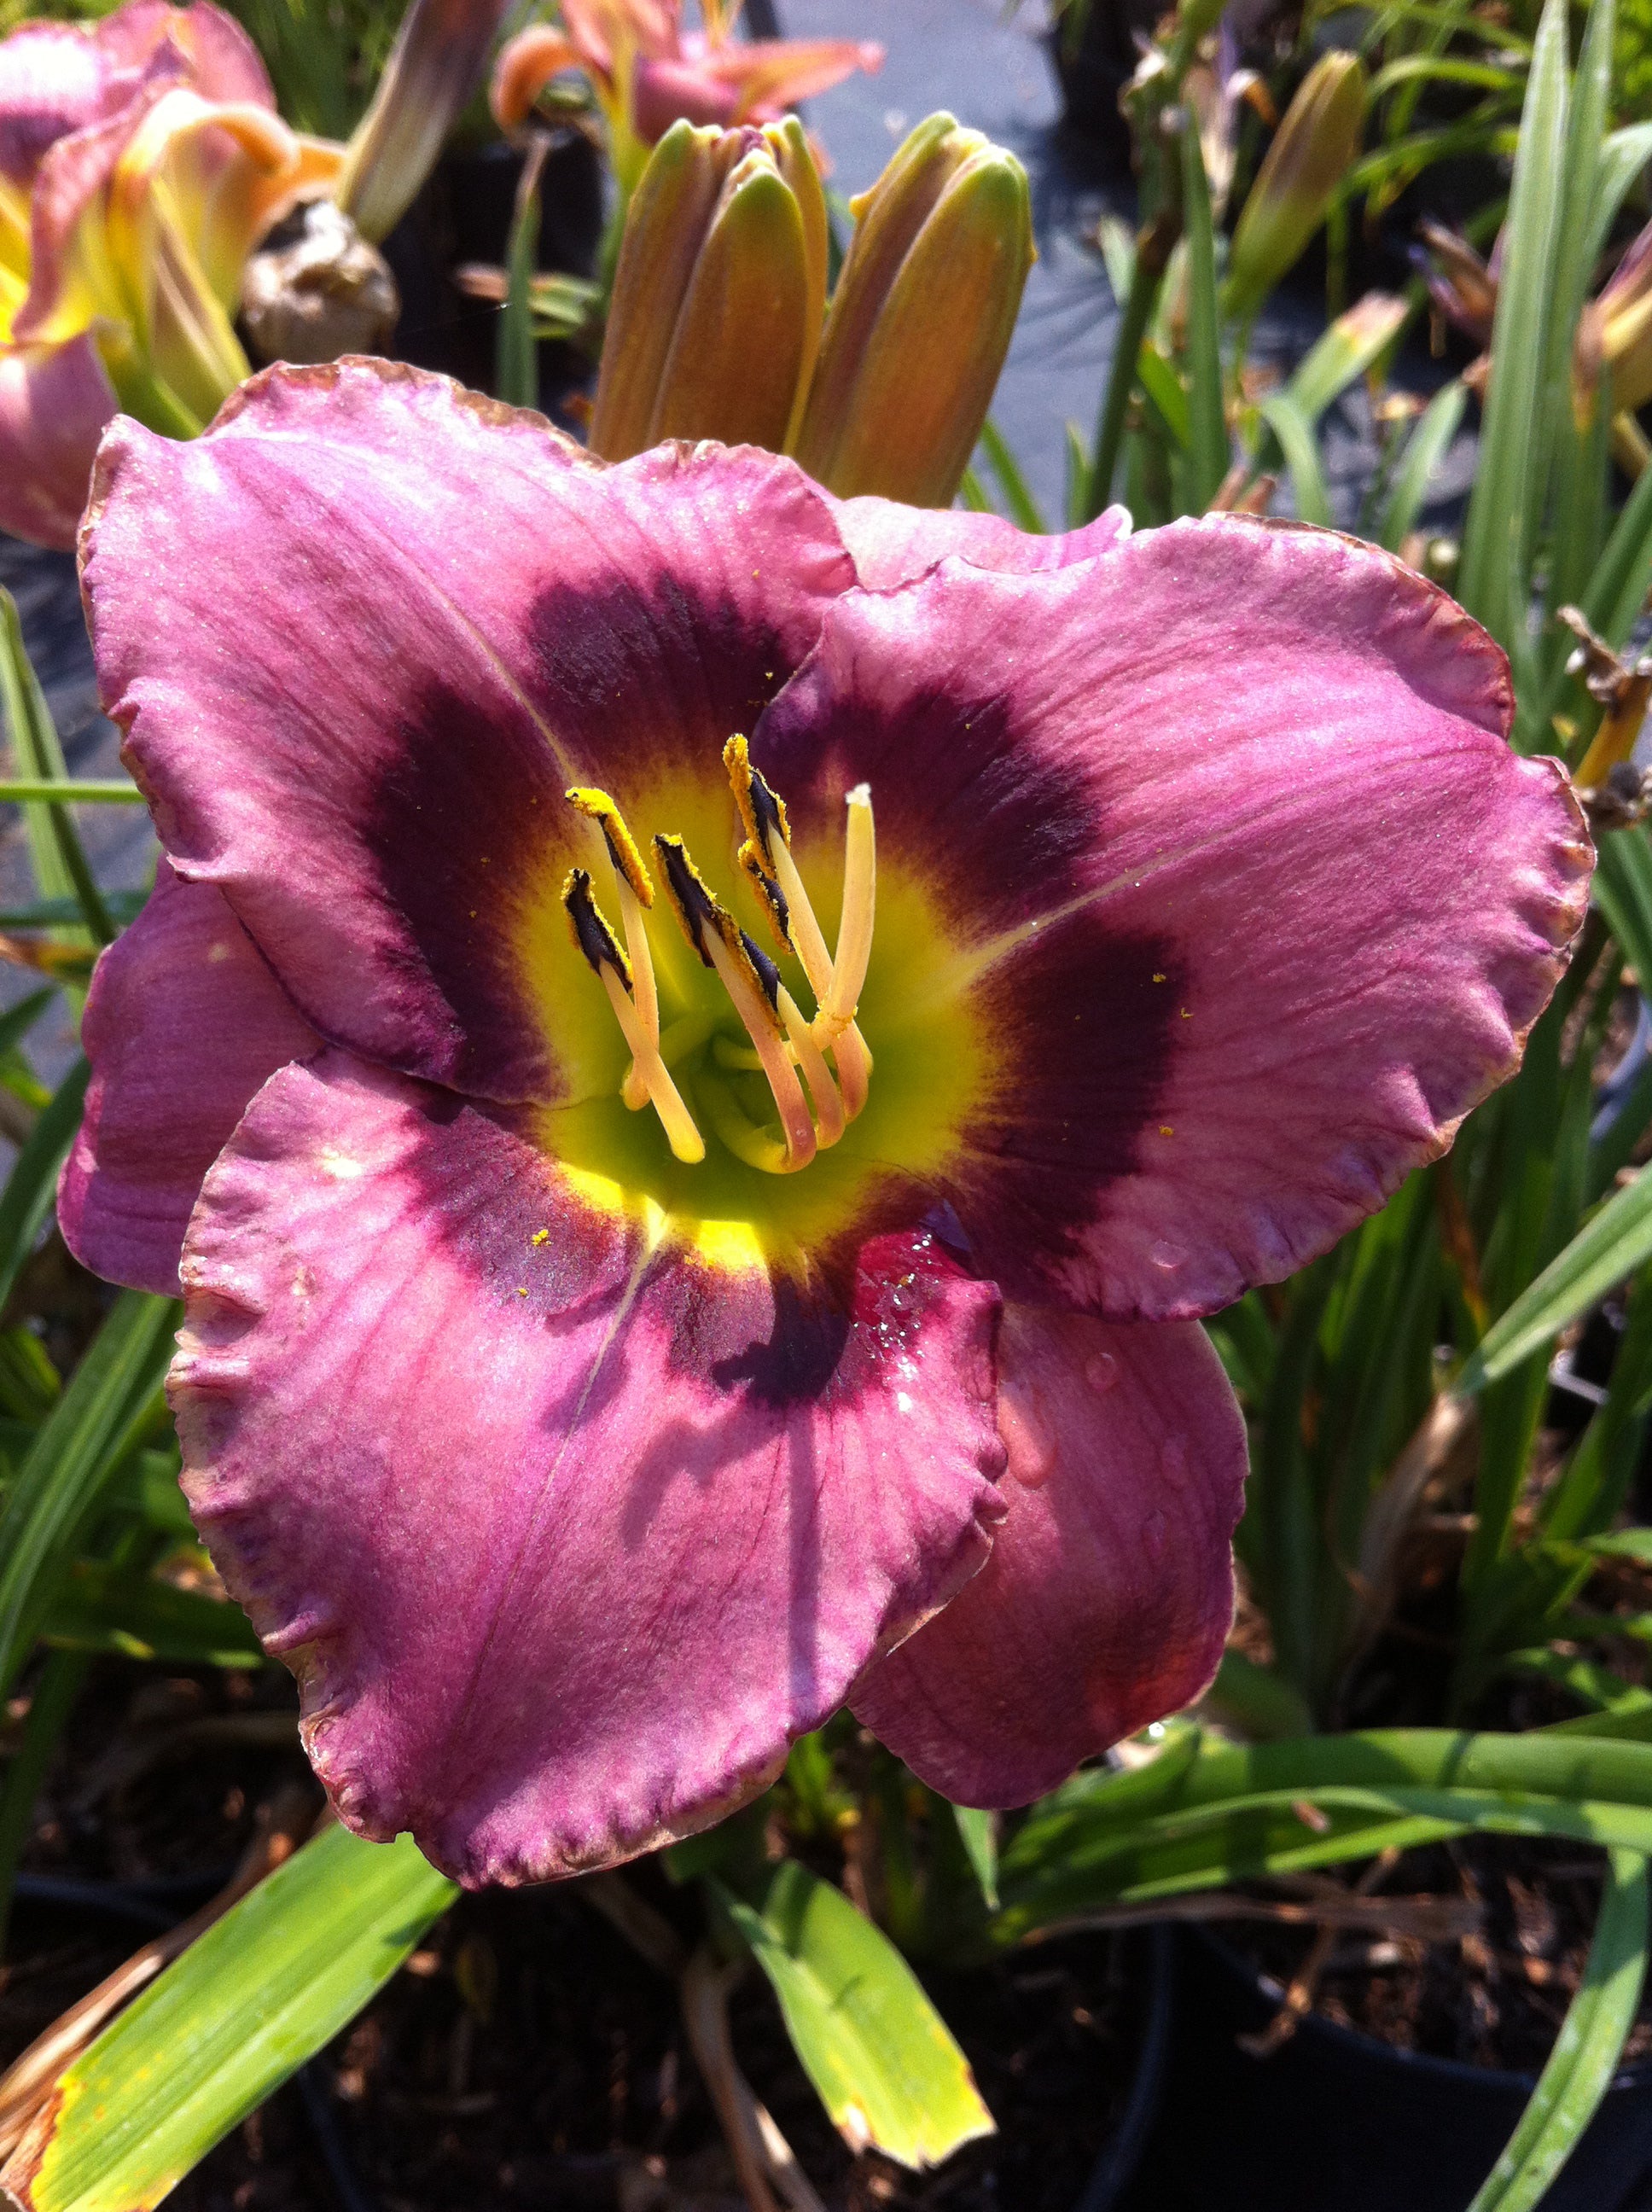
(700,1052)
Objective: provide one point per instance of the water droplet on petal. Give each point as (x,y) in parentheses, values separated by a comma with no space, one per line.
(1101,1372)
(1168,1257)
(1154,1530)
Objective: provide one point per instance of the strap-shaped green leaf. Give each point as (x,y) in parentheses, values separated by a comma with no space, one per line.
(82,1442)
(518,376)
(882,2058)
(1427,448)
(1611,1245)
(243,2007)
(1020,505)
(1585,2057)
(1351,345)
(1206,416)
(60,863)
(99,1607)
(1502,510)
(33,1183)
(978,1833)
(1296,441)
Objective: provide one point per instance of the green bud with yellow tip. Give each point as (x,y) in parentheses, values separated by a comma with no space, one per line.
(920,320)
(1313,150)
(719,293)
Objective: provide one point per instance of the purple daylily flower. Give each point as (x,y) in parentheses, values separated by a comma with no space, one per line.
(611,1346)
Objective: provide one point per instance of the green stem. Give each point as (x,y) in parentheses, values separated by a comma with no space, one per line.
(94,791)
(1153,249)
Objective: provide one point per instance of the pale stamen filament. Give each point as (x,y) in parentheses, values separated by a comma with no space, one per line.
(828,1104)
(614,848)
(660,1092)
(753,1011)
(596,941)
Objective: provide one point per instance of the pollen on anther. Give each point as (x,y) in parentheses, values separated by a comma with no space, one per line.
(597,806)
(1165,1130)
(539,1237)
(1158,978)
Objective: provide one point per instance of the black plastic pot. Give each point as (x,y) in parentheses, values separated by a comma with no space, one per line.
(1339,2122)
(464,213)
(1116,2167)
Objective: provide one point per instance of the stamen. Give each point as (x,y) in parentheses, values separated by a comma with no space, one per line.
(596,940)
(636,891)
(828,1104)
(597,806)
(854,931)
(767,856)
(762,811)
(752,983)
(774,899)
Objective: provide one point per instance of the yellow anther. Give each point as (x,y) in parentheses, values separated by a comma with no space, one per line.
(770,894)
(593,933)
(762,812)
(597,806)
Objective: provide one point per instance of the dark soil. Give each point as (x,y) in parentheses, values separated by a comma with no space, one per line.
(1495,1999)
(526,2055)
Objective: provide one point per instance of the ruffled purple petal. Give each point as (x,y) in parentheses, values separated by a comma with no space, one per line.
(1110,1592)
(55,403)
(183,1023)
(1251,900)
(893,544)
(54,78)
(399,621)
(566,1532)
(223,62)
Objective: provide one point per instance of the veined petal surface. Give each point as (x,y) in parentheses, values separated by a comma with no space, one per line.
(1110,1592)
(183,1023)
(402,620)
(894,544)
(565,1531)
(1245,886)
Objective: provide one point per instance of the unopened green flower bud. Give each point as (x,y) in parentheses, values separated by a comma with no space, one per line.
(719,293)
(1313,150)
(921,318)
